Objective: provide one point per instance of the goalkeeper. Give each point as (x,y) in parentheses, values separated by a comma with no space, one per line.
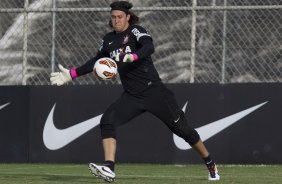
(131,46)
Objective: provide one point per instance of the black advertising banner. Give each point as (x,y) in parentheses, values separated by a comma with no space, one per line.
(239,123)
(14,127)
(70,116)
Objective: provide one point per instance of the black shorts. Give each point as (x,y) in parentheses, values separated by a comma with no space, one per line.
(157,99)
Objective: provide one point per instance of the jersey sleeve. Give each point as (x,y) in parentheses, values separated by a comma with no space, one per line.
(145,40)
(88,66)
(139,32)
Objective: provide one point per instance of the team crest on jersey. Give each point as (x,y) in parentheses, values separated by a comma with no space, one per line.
(125,39)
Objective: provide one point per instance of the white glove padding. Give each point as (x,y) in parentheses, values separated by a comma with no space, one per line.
(126,58)
(60,78)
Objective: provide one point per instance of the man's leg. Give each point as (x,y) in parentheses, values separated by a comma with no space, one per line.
(119,113)
(107,170)
(201,149)
(109,146)
(162,104)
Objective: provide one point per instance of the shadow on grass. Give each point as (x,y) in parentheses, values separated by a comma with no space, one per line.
(61,178)
(47,178)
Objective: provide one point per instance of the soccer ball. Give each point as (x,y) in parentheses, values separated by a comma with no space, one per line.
(105,68)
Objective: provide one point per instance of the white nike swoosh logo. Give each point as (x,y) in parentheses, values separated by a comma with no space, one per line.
(209,130)
(55,138)
(2,106)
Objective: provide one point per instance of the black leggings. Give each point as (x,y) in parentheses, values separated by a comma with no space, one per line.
(156,99)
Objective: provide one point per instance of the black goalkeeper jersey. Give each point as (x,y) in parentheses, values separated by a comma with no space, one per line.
(135,76)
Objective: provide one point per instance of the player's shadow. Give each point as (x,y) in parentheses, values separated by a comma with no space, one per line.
(71,179)
(50,178)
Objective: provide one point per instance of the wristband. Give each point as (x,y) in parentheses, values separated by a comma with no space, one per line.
(135,57)
(73,73)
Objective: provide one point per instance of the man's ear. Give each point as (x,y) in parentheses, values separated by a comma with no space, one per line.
(128,17)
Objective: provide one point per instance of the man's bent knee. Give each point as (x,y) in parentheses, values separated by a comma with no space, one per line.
(192,138)
(107,131)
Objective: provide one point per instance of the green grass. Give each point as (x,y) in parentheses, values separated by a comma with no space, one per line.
(138,174)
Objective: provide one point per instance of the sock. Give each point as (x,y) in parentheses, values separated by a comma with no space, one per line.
(110,164)
(208,161)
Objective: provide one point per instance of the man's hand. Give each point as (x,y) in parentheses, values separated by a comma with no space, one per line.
(60,78)
(126,57)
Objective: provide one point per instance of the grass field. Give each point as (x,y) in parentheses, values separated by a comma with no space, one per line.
(138,174)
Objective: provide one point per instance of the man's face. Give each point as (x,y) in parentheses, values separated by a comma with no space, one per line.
(119,20)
